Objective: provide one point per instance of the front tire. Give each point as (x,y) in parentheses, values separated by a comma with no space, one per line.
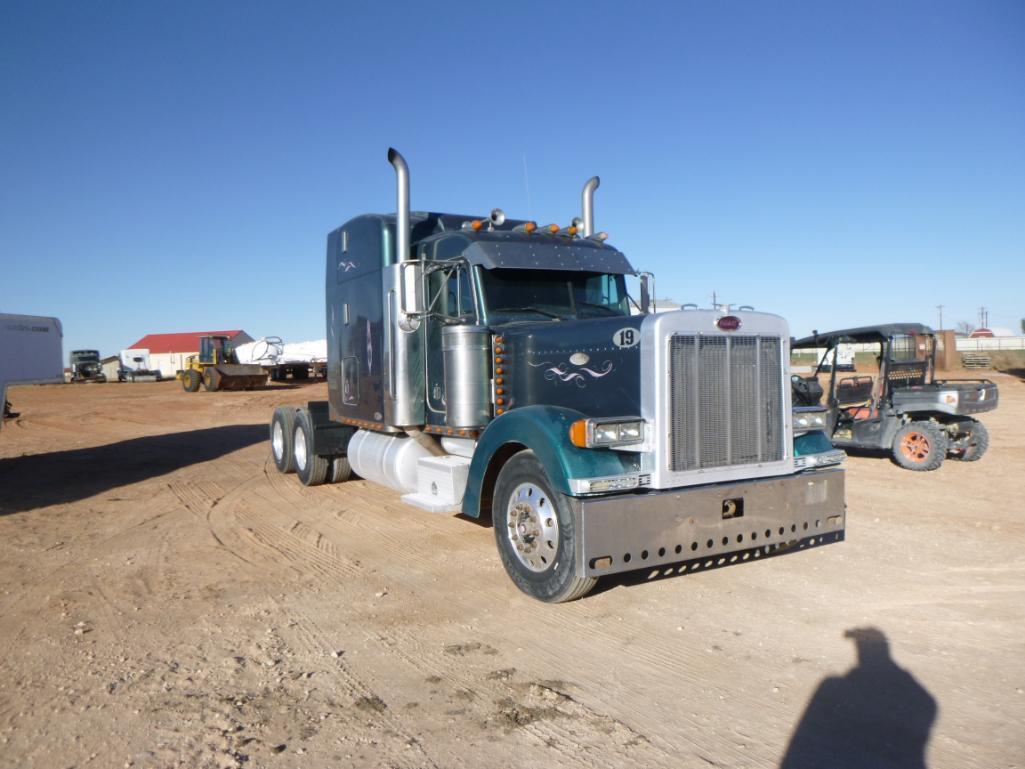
(191,381)
(920,446)
(211,380)
(977,443)
(282,433)
(535,532)
(311,469)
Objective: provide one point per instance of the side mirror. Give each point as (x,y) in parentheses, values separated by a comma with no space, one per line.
(647,290)
(411,277)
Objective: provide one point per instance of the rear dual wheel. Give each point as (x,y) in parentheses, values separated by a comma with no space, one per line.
(282,429)
(291,441)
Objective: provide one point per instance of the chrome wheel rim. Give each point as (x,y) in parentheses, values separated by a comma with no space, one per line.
(533,527)
(277,441)
(300,449)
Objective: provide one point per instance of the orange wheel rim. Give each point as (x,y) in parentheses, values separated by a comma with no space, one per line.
(915,446)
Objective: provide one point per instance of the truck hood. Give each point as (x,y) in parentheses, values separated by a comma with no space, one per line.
(592,365)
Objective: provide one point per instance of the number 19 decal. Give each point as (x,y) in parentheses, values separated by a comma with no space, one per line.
(626,337)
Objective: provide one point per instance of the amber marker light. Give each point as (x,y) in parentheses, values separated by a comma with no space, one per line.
(571,230)
(530,226)
(476,224)
(578,433)
(552,228)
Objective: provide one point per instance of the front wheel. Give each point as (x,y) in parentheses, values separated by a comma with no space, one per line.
(920,446)
(535,532)
(211,380)
(191,381)
(975,444)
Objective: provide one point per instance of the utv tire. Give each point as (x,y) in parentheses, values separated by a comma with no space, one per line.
(191,381)
(282,433)
(535,534)
(920,446)
(978,442)
(340,470)
(311,469)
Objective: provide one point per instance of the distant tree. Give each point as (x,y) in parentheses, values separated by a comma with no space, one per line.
(1023,325)
(964,328)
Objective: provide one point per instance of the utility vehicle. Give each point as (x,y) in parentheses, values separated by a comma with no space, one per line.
(900,407)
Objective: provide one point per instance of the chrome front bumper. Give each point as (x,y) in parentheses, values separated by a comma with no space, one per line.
(625,532)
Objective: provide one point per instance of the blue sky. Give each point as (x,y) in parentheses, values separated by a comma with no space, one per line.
(177,166)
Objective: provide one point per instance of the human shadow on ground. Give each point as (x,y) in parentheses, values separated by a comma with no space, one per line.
(877,715)
(60,477)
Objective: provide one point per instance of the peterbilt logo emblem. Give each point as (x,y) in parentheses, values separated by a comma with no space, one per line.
(728,323)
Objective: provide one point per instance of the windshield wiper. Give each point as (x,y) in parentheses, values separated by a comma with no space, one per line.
(607,309)
(529,309)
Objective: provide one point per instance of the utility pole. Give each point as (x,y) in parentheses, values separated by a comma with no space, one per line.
(983,318)
(940,308)
(715,304)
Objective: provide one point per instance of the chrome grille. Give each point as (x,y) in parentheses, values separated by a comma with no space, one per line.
(726,401)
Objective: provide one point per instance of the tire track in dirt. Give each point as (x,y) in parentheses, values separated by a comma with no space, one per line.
(308,635)
(581,735)
(581,622)
(253,536)
(579,625)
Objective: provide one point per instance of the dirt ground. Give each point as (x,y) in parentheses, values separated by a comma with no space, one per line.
(169,600)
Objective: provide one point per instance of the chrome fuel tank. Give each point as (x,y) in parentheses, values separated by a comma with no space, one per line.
(467,351)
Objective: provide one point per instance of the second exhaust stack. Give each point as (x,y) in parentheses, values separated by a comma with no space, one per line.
(401,204)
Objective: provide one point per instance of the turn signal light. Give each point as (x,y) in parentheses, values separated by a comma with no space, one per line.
(578,433)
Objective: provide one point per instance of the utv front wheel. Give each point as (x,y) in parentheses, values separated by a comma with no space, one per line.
(976,443)
(919,446)
(535,533)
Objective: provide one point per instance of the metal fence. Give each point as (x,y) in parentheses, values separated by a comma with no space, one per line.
(994,343)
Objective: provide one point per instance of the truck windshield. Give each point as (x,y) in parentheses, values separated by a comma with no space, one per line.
(523,294)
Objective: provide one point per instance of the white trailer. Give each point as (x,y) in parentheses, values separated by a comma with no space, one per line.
(135,365)
(31,352)
(281,360)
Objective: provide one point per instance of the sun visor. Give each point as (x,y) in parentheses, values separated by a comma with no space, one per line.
(548,254)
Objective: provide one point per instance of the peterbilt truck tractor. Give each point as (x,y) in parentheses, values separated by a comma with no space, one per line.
(497,368)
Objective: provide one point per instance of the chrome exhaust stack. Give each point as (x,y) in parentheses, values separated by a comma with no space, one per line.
(588,205)
(401,204)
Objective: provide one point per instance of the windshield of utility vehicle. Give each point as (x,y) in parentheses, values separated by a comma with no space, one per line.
(539,294)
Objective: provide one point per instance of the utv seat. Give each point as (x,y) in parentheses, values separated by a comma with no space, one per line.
(854,396)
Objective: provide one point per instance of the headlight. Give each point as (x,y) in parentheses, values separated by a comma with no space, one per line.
(809,419)
(596,433)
